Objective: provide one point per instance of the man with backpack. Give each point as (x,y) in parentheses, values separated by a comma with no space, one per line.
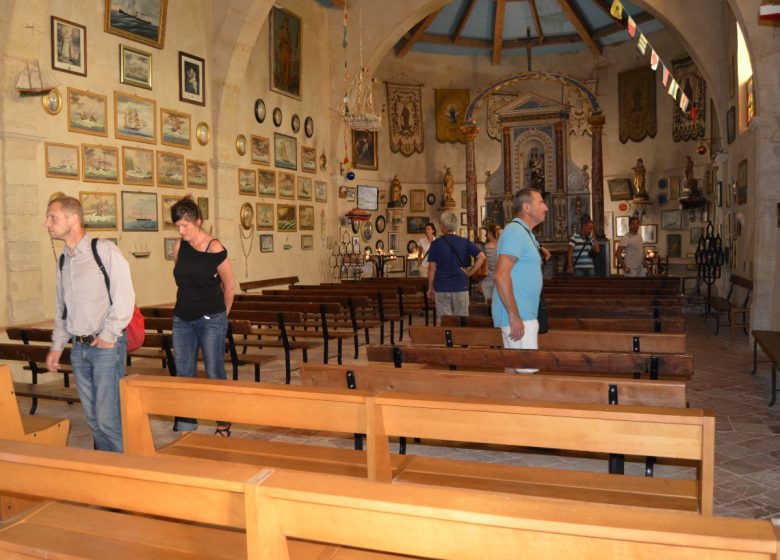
(94,304)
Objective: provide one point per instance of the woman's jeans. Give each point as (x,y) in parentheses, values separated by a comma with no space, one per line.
(207,333)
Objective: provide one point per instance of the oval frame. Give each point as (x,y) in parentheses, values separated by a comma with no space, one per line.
(368,231)
(246,215)
(308,127)
(295,123)
(431,199)
(355,227)
(323,162)
(380,224)
(259,110)
(411,247)
(277,116)
(202,133)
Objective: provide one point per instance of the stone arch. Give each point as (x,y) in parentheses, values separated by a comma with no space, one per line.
(517,154)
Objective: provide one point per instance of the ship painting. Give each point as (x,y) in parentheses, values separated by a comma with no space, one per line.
(135,118)
(33,81)
(175,129)
(141,20)
(139,211)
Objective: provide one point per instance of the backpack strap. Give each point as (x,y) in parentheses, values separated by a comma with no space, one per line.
(102,268)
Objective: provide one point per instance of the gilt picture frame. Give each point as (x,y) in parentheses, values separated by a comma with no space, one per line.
(175,128)
(135,67)
(170,170)
(286,51)
(192,79)
(135,118)
(68,46)
(87,112)
(100,210)
(145,24)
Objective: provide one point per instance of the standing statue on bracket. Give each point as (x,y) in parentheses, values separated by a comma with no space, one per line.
(448,188)
(395,194)
(640,190)
(536,170)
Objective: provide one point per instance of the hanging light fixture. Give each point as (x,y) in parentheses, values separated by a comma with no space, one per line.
(358,110)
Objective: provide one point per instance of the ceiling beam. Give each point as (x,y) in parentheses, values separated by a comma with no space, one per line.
(579,24)
(416,33)
(464,18)
(498,32)
(537,21)
(338,3)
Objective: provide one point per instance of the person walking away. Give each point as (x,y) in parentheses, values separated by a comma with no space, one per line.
(423,246)
(92,317)
(582,248)
(630,252)
(204,278)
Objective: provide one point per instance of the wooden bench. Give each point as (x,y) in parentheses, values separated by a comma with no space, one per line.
(34,356)
(610,341)
(268,282)
(560,362)
(615,324)
(733,305)
(451,524)
(769,341)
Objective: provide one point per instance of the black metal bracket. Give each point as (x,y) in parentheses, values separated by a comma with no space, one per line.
(398,356)
(654,367)
(448,338)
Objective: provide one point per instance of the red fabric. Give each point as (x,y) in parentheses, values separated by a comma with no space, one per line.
(135,331)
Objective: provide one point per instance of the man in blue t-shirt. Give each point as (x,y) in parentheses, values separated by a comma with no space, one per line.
(448,268)
(519,273)
(582,249)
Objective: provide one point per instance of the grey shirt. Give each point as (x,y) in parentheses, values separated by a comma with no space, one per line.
(82,288)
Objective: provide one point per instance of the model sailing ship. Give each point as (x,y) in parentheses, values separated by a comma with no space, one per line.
(33,81)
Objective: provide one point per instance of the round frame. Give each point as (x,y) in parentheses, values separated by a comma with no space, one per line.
(380,223)
(380,245)
(203,133)
(246,215)
(404,199)
(277,116)
(323,162)
(308,127)
(411,247)
(241,144)
(368,231)
(259,110)
(431,199)
(662,183)
(295,123)
(52,103)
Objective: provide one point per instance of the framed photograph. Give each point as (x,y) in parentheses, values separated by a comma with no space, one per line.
(307,242)
(261,150)
(170,170)
(380,224)
(306,217)
(139,211)
(197,174)
(742,182)
(308,159)
(364,149)
(615,243)
(192,79)
(620,189)
(286,52)
(416,224)
(287,185)
(144,23)
(392,241)
(412,267)
(719,194)
(609,232)
(166,201)
(671,219)
(135,118)
(62,161)
(464,218)
(695,233)
(417,200)
(286,217)
(137,166)
(673,245)
(731,124)
(305,188)
(247,182)
(264,214)
(267,242)
(382,196)
(135,67)
(396,265)
(203,204)
(463,199)
(266,183)
(411,246)
(367,198)
(320,191)
(68,46)
(621,226)
(285,151)
(100,164)
(175,128)
(87,112)
(99,210)
(649,234)
(168,243)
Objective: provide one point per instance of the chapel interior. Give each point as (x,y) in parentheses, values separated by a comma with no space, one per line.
(320,136)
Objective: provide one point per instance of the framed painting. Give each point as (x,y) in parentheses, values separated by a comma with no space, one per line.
(305,188)
(609,231)
(649,234)
(137,166)
(135,118)
(620,189)
(396,265)
(285,151)
(673,245)
(417,200)
(175,128)
(203,204)
(264,216)
(192,79)
(320,191)
(286,52)
(307,242)
(266,183)
(364,149)
(287,185)
(731,124)
(168,243)
(367,198)
(286,217)
(135,67)
(68,46)
(382,196)
(100,164)
(463,199)
(392,242)
(62,161)
(671,219)
(170,170)
(306,217)
(247,182)
(261,150)
(695,233)
(742,182)
(267,242)
(621,225)
(87,112)
(197,174)
(139,21)
(139,211)
(416,224)
(166,202)
(99,210)
(308,159)
(674,187)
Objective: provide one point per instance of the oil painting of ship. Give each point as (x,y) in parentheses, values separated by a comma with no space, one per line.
(139,20)
(33,81)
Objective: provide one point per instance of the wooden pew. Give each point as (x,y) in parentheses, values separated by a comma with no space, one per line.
(571,309)
(661,366)
(34,355)
(449,523)
(610,341)
(614,324)
(268,282)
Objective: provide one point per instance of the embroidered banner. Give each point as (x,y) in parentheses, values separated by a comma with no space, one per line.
(687,126)
(405,118)
(451,105)
(636,104)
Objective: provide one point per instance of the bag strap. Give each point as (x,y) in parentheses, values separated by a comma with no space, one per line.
(102,268)
(456,255)
(584,244)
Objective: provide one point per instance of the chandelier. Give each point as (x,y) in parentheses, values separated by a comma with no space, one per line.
(358,105)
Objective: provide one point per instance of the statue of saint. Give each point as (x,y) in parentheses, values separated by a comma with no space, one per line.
(395,193)
(639,180)
(448,186)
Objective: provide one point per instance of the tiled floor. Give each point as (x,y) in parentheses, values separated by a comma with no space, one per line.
(747,476)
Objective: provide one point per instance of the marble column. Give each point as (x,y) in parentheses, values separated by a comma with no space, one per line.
(597,173)
(472,218)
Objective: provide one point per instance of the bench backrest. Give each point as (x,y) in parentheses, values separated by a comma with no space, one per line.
(665,325)
(747,287)
(257,284)
(449,523)
(11,426)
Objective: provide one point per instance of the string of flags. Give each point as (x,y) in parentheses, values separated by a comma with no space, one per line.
(673,88)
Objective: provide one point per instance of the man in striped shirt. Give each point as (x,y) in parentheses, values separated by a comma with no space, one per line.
(582,247)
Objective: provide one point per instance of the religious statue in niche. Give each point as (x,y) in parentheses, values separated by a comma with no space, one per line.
(640,189)
(448,187)
(535,169)
(395,193)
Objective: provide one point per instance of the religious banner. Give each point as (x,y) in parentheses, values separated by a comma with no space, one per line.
(405,118)
(636,104)
(689,125)
(451,105)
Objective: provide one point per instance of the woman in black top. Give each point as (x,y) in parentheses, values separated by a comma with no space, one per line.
(205,293)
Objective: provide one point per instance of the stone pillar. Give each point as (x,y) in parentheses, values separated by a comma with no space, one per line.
(597,173)
(472,218)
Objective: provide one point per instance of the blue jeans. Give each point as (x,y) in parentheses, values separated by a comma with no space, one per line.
(206,333)
(97,372)
(584,272)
